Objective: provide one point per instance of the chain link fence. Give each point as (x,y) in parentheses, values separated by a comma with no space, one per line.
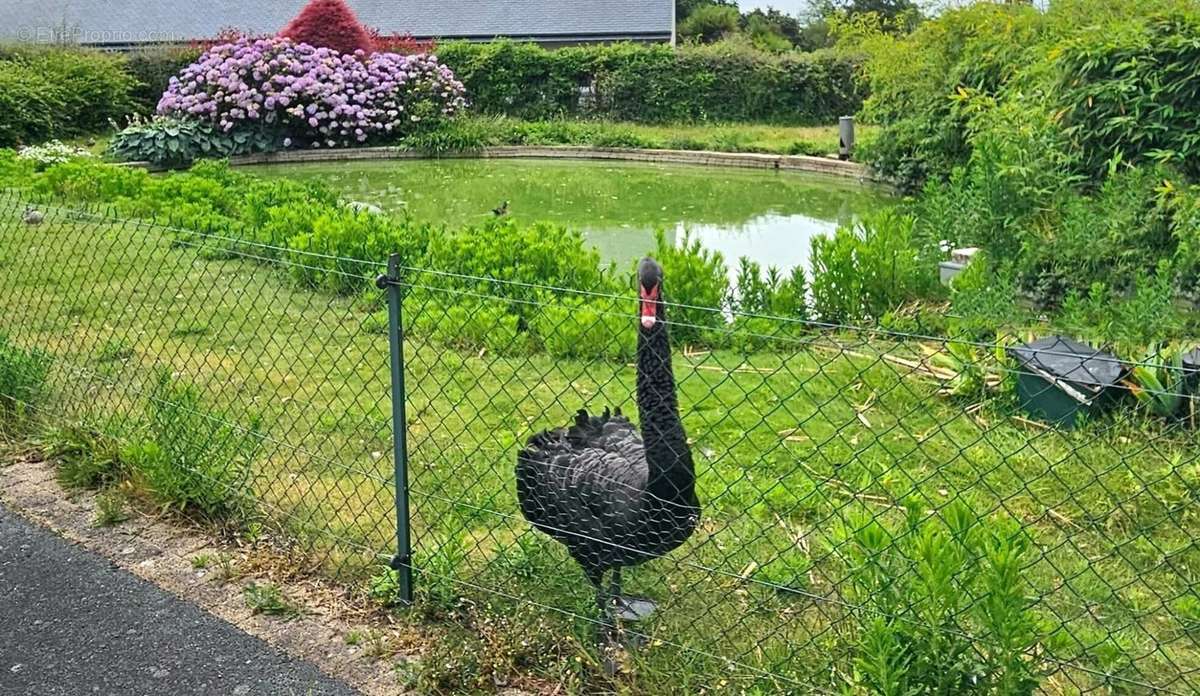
(878,512)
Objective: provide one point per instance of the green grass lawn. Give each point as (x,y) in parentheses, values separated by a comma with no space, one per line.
(730,137)
(790,446)
(751,137)
(481,131)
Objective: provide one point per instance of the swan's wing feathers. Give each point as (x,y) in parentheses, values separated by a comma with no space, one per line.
(589,476)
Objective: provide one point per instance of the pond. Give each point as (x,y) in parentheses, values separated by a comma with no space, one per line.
(767,216)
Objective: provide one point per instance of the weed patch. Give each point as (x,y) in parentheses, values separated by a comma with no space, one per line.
(191,458)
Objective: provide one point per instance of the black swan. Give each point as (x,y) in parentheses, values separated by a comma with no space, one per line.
(502,210)
(616,497)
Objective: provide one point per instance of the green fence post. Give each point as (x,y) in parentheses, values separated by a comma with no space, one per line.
(402,562)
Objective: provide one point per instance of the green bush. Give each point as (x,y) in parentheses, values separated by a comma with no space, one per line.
(722,82)
(710,23)
(862,272)
(509,258)
(172,142)
(697,288)
(342,250)
(574,327)
(1127,87)
(15,172)
(22,379)
(1148,315)
(194,459)
(153,68)
(769,293)
(469,323)
(940,603)
(58,93)
(87,181)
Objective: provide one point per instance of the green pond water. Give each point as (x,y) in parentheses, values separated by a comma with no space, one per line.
(767,216)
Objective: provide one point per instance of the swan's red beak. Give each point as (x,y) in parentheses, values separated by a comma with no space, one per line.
(649,306)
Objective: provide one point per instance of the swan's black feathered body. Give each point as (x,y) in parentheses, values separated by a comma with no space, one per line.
(612,495)
(589,487)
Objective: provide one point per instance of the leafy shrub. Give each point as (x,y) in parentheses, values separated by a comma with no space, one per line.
(696,289)
(343,248)
(53,152)
(22,378)
(329,24)
(470,323)
(1145,317)
(770,293)
(574,327)
(940,603)
(91,182)
(757,297)
(29,106)
(172,141)
(1144,65)
(981,301)
(1115,235)
(517,256)
(917,83)
(191,458)
(301,93)
(14,171)
(710,23)
(56,93)
(153,67)
(862,272)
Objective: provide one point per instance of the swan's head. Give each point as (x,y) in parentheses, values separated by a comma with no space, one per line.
(650,276)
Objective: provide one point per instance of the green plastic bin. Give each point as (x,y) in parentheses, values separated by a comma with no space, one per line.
(1060,380)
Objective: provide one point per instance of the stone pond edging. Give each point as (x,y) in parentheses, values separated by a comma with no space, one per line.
(795,163)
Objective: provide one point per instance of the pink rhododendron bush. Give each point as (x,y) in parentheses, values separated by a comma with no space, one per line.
(273,92)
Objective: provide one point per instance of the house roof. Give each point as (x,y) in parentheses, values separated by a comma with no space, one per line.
(124,22)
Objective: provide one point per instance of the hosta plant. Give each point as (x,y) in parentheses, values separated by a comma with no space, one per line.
(171,141)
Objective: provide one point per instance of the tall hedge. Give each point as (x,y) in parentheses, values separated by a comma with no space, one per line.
(153,69)
(59,93)
(656,84)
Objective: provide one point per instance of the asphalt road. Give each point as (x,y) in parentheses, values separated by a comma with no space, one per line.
(73,623)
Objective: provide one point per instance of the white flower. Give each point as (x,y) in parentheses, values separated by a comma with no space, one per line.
(53,152)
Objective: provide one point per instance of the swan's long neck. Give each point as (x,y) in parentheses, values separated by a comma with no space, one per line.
(667,453)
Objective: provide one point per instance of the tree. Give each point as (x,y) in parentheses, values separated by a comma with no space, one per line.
(329,24)
(781,23)
(685,8)
(767,33)
(886,9)
(896,15)
(710,23)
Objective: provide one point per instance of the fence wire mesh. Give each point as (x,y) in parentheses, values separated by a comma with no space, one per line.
(872,505)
